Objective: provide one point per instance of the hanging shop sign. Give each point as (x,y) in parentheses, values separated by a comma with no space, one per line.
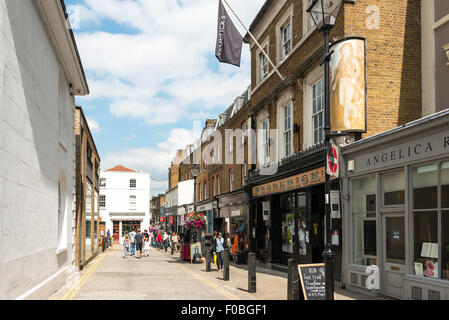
(298,181)
(348,85)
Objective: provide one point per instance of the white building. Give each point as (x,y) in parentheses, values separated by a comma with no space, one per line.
(40,72)
(124,200)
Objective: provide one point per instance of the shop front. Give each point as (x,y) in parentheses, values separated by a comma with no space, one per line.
(233,218)
(209,209)
(182,212)
(285,207)
(396,210)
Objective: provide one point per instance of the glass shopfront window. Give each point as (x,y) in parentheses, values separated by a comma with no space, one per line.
(445,185)
(445,246)
(425,220)
(364,220)
(393,185)
(431,220)
(445,220)
(288,231)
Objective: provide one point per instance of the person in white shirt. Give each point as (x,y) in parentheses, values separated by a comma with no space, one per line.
(132,236)
(146,248)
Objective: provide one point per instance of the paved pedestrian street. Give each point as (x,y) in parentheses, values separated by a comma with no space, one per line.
(163,276)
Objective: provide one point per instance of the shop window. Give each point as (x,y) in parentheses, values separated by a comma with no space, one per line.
(425,186)
(393,188)
(426,243)
(288,231)
(364,220)
(445,186)
(445,246)
(287,201)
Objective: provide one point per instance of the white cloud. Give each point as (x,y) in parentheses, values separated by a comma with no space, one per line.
(155,160)
(93,125)
(161,72)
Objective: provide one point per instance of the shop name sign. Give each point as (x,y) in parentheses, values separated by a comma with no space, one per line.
(415,150)
(299,181)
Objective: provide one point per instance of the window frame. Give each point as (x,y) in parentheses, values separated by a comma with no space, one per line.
(131,184)
(286,25)
(131,197)
(318,113)
(102,200)
(231,180)
(285,132)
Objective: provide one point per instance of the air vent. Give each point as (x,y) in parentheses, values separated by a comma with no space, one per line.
(416,293)
(354,278)
(434,295)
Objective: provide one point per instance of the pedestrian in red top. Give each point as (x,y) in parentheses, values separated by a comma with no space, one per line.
(159,240)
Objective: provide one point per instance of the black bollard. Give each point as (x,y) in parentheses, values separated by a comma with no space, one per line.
(207,258)
(226,256)
(295,282)
(328,257)
(252,272)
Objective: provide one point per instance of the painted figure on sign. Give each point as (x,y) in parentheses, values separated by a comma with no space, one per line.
(348,83)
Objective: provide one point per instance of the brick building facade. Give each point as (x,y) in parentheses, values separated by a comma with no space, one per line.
(87,202)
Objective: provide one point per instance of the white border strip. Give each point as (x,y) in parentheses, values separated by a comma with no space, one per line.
(33,290)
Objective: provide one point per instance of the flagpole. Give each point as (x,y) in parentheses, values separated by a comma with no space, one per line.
(260,47)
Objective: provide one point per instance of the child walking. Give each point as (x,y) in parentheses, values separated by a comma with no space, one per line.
(126,246)
(146,247)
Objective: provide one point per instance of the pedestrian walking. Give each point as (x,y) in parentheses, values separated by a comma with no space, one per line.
(159,240)
(139,244)
(219,251)
(174,240)
(165,241)
(126,246)
(132,236)
(145,234)
(146,247)
(203,244)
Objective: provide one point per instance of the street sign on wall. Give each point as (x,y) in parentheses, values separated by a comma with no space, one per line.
(333,156)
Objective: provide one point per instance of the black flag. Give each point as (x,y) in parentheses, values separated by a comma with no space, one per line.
(229,39)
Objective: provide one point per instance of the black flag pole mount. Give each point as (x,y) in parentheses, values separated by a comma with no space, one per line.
(250,34)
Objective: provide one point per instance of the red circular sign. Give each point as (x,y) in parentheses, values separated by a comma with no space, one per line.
(332,159)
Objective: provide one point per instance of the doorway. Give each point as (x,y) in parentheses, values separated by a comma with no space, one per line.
(393,257)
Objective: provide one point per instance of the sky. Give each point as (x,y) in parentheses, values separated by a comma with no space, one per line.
(152,73)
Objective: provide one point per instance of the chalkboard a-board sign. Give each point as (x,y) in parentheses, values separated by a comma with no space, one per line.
(313,281)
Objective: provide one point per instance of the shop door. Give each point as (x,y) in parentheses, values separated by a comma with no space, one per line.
(116,231)
(393,257)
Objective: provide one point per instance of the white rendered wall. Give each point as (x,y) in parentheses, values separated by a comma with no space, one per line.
(32,160)
(117,192)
